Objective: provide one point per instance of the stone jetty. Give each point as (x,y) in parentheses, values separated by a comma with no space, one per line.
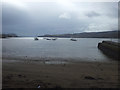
(110,48)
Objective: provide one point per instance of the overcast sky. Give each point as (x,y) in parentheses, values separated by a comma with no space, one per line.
(39,18)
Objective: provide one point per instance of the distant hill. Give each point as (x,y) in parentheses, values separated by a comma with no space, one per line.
(7,35)
(106,34)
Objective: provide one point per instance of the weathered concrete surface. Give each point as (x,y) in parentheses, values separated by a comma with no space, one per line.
(111,49)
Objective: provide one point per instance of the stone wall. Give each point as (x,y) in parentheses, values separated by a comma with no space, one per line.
(111,49)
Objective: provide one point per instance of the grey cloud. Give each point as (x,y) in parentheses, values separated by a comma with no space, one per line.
(12,15)
(92,14)
(43,18)
(14,20)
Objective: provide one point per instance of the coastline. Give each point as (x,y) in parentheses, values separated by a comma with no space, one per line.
(77,74)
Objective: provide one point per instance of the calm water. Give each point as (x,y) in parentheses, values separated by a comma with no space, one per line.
(82,49)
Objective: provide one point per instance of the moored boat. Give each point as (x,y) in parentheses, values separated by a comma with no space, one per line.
(36,38)
(48,39)
(73,39)
(54,38)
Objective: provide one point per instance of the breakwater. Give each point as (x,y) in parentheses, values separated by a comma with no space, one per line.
(111,49)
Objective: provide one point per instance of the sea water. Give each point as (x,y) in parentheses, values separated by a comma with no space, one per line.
(27,47)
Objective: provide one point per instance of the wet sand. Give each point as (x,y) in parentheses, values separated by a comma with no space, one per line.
(77,74)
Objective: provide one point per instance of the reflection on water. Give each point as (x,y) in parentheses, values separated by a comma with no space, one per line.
(83,48)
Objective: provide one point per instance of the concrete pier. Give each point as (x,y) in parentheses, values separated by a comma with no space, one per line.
(111,49)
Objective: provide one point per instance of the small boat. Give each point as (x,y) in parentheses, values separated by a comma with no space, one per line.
(36,38)
(73,39)
(54,38)
(48,39)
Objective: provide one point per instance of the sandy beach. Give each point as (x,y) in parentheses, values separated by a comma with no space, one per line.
(67,74)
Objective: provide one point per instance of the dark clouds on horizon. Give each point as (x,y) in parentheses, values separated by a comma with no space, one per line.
(92,14)
(53,18)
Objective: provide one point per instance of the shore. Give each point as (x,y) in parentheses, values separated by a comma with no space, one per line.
(65,74)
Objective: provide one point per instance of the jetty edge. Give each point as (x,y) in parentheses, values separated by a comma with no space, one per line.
(110,48)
